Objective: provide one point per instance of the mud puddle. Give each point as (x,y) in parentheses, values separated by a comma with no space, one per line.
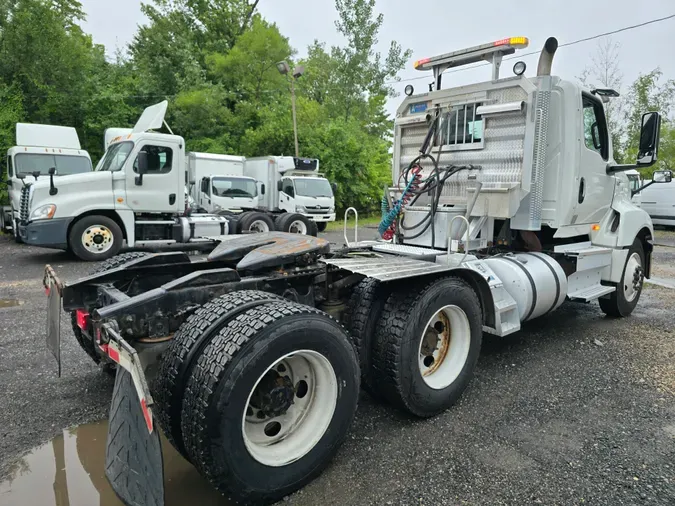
(69,471)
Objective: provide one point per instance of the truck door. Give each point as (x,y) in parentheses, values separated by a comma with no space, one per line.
(595,189)
(13,185)
(161,189)
(286,195)
(203,198)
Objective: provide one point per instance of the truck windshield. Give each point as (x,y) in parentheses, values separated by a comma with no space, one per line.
(233,187)
(313,187)
(115,157)
(28,163)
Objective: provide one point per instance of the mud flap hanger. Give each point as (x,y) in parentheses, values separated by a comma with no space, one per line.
(125,356)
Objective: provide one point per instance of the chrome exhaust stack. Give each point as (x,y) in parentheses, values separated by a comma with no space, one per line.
(546,57)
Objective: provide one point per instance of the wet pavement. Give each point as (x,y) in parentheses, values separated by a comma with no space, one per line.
(69,471)
(576,408)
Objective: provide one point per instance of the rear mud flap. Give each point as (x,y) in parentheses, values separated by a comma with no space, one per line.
(133,457)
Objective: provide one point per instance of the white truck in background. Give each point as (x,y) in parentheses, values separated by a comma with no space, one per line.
(38,149)
(289,192)
(136,195)
(659,202)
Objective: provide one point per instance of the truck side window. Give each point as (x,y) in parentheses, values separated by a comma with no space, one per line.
(160,159)
(288,187)
(595,126)
(10,168)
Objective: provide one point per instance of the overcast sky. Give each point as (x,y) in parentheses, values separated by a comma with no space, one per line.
(431,27)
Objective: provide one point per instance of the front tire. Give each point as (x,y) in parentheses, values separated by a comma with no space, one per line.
(295,223)
(273,395)
(321,226)
(427,344)
(95,238)
(623,300)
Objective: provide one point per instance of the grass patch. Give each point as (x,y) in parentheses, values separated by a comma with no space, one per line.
(336,226)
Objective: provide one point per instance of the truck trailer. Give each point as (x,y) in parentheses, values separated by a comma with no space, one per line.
(506,203)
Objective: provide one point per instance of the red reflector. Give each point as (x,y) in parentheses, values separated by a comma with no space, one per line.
(114,354)
(147,415)
(47,291)
(82,318)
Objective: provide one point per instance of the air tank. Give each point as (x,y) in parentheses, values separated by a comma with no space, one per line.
(536,282)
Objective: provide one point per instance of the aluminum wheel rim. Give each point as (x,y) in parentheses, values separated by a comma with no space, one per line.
(298,227)
(278,440)
(444,347)
(633,277)
(97,239)
(259,226)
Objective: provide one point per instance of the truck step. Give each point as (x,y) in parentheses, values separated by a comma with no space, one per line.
(156,222)
(585,248)
(591,293)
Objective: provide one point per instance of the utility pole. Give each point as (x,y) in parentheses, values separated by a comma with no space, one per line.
(284,69)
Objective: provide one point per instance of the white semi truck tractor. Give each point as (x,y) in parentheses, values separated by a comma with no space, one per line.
(506,203)
(38,149)
(136,196)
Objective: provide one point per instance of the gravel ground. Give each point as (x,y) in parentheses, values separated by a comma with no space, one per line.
(576,408)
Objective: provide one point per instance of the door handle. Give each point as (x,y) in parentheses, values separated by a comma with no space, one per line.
(582,190)
(172,199)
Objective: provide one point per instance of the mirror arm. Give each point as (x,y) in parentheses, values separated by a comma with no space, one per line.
(635,192)
(612,169)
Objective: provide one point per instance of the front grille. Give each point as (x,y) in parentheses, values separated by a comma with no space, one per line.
(318,210)
(24,203)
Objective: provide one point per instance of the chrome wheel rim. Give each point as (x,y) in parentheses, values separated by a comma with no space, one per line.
(633,277)
(444,347)
(97,239)
(290,408)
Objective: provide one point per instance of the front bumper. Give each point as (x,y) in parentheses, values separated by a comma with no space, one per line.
(320,217)
(46,233)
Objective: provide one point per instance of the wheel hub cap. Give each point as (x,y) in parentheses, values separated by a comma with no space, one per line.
(633,277)
(97,239)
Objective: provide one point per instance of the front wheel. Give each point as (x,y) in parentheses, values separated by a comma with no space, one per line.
(623,300)
(95,238)
(321,225)
(272,396)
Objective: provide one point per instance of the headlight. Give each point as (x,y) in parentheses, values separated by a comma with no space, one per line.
(217,207)
(300,209)
(332,209)
(43,212)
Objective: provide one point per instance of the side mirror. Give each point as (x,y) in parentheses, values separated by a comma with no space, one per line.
(334,186)
(662,176)
(280,186)
(36,174)
(142,167)
(649,139)
(262,189)
(52,189)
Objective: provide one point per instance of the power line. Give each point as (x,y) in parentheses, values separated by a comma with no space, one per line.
(567,44)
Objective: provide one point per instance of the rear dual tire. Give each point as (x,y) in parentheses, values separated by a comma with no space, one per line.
(276,386)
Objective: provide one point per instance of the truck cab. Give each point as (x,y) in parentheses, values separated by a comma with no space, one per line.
(40,148)
(229,193)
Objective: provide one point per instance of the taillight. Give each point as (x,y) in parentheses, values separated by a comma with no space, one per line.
(82,318)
